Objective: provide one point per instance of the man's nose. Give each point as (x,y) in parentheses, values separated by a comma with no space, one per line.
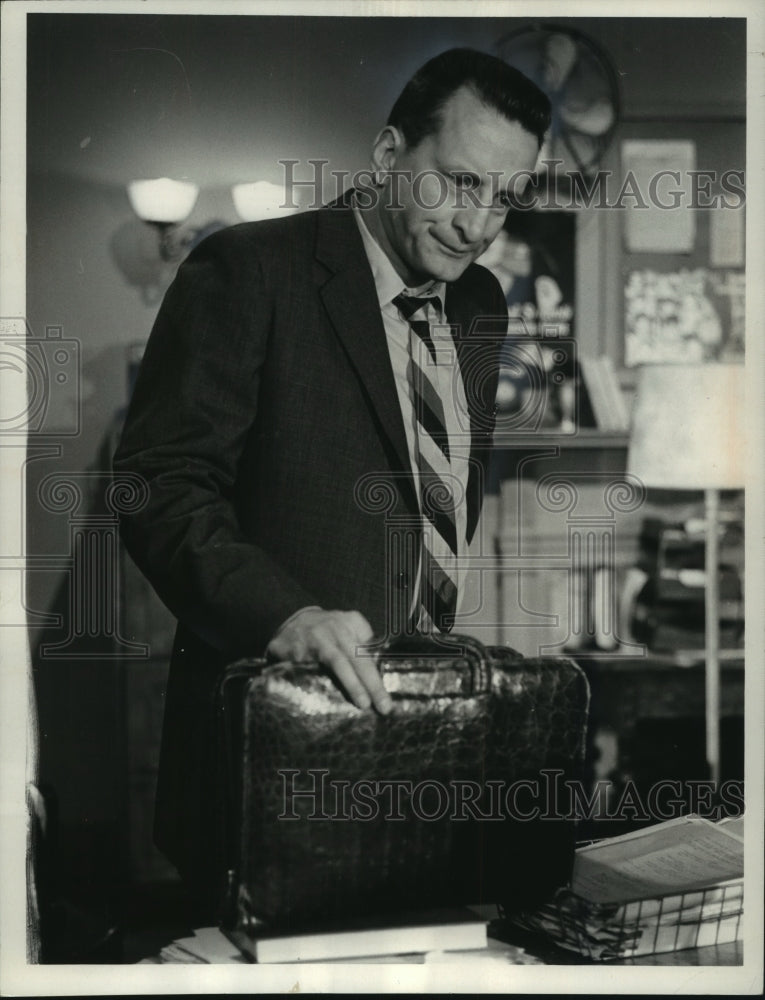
(471,223)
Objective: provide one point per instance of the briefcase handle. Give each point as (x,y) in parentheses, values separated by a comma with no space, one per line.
(434,665)
(415,665)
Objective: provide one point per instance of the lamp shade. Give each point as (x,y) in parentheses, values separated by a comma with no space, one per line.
(688,427)
(162,200)
(260,200)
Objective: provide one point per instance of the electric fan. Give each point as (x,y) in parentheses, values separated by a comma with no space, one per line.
(580,81)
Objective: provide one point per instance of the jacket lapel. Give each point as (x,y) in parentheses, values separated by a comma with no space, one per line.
(350,299)
(475,347)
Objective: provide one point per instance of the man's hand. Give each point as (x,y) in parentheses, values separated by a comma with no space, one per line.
(331,638)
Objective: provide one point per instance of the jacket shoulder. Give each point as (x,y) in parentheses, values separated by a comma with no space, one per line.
(254,237)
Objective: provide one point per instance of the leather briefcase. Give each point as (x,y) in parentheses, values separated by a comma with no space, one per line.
(456,796)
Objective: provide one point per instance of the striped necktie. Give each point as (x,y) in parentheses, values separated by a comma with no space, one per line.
(438,574)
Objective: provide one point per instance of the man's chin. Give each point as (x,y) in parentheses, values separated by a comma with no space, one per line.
(442,268)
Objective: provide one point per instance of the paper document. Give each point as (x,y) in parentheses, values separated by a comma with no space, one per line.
(678,856)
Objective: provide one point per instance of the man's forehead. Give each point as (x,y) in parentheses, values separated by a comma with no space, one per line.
(466,111)
(476,137)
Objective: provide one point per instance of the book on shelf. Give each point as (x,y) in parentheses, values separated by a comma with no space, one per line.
(605,394)
(400,934)
(617,405)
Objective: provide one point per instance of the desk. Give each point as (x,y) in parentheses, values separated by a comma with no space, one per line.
(656,686)
(627,693)
(534,951)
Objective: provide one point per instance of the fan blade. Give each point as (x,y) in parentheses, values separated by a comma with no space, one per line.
(584,149)
(560,56)
(594,119)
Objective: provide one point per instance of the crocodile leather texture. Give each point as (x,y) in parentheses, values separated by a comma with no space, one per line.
(454,797)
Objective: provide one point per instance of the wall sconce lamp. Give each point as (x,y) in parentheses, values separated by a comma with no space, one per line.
(261,200)
(164,204)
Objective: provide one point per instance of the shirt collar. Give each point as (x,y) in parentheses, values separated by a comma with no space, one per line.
(387,280)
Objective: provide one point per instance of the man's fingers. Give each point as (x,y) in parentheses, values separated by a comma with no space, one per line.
(332,654)
(335,638)
(364,666)
(323,646)
(358,626)
(288,645)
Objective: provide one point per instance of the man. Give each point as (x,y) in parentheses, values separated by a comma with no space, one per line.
(291,407)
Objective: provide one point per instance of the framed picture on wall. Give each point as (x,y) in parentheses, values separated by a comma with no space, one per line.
(534,259)
(684,316)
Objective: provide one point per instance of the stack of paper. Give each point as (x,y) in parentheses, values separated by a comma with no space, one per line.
(401,934)
(208,945)
(664,888)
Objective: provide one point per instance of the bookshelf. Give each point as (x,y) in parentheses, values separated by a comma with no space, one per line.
(585,438)
(558,509)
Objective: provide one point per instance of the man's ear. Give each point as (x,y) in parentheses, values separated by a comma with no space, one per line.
(385,151)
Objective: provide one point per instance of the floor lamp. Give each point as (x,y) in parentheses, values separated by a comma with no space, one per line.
(688,434)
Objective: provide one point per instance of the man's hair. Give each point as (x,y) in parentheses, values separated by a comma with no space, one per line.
(417,112)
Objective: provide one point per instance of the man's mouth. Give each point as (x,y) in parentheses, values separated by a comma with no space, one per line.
(453,251)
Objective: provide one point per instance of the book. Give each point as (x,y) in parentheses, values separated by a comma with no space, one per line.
(209,946)
(452,930)
(679,856)
(620,418)
(604,391)
(596,391)
(495,954)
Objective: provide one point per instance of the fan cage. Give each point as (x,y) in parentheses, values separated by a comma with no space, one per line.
(601,58)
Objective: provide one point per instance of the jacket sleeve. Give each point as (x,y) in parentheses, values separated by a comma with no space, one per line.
(194,403)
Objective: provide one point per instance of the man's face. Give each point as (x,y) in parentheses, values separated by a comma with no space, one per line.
(446,198)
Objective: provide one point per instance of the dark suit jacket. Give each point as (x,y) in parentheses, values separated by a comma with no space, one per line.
(265,397)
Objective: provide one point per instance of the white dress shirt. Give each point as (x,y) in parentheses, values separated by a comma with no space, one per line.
(451,387)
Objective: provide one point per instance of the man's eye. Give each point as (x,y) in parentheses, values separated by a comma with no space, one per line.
(464,180)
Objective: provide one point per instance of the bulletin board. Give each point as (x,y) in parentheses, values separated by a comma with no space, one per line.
(683,300)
